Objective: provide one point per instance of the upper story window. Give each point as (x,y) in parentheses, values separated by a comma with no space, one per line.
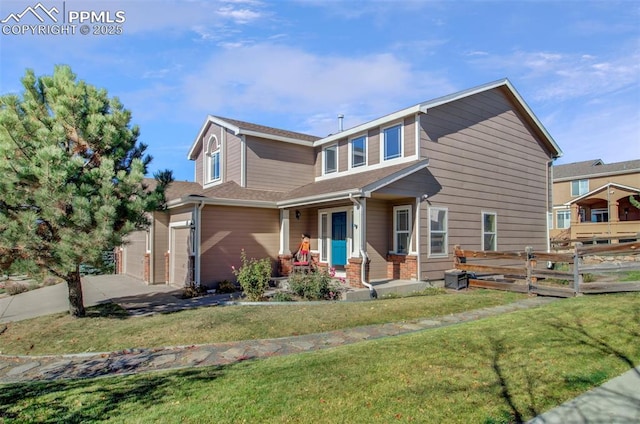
(392,142)
(358,149)
(489,231)
(330,159)
(579,187)
(213,159)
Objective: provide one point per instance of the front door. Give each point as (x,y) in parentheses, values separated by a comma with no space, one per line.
(338,238)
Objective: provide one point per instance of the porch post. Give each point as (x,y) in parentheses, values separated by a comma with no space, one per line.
(284,232)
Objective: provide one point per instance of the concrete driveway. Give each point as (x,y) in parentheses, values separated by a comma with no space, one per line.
(128,292)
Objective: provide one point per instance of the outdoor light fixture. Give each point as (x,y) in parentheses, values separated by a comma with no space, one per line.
(298,214)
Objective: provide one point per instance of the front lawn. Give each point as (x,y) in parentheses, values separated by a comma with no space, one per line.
(507,368)
(108,328)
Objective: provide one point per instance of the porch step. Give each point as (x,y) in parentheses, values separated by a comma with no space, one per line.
(394,287)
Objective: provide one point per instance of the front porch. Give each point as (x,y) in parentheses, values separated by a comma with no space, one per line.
(606,212)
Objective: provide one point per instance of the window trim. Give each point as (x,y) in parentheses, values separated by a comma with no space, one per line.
(210,155)
(485,232)
(566,212)
(324,159)
(351,151)
(409,230)
(383,142)
(444,254)
(580,192)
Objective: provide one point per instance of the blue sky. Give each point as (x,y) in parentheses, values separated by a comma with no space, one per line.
(298,64)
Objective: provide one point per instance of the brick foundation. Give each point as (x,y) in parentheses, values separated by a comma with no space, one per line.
(285,264)
(402,267)
(166,267)
(117,257)
(353,269)
(147,267)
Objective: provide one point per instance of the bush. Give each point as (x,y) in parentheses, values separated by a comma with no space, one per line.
(253,276)
(282,297)
(12,288)
(226,286)
(314,286)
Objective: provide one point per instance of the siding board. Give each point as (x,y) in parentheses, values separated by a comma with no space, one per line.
(485,158)
(226,231)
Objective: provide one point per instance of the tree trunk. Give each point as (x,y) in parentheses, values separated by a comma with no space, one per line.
(76,302)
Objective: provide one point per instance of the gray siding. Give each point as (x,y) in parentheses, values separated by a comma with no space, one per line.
(226,231)
(378,224)
(232,158)
(277,166)
(483,158)
(409,136)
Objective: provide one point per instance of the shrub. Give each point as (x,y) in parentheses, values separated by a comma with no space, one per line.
(253,276)
(314,286)
(12,288)
(226,286)
(282,297)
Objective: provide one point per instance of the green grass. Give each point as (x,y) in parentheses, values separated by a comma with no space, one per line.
(108,328)
(507,368)
(631,276)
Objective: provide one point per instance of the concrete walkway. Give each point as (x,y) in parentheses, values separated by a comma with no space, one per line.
(616,401)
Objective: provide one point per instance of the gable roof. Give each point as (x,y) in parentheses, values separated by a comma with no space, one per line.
(248,128)
(593,168)
(358,184)
(602,188)
(503,84)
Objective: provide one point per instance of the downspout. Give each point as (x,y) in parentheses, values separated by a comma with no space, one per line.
(197,243)
(363,251)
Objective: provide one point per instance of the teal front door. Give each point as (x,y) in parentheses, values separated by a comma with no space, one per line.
(338,238)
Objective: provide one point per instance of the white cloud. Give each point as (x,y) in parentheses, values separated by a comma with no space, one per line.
(239,16)
(283,80)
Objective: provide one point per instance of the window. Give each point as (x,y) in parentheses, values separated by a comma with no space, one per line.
(358,151)
(401,229)
(579,187)
(324,237)
(392,142)
(330,159)
(489,231)
(213,158)
(438,231)
(563,219)
(599,215)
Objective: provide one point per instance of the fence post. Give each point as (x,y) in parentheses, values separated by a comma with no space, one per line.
(531,263)
(577,277)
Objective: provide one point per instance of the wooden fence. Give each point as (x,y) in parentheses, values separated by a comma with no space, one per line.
(529,271)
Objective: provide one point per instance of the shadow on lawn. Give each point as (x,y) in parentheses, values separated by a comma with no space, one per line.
(569,334)
(89,400)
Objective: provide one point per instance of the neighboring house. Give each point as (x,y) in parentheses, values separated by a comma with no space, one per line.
(591,200)
(384,200)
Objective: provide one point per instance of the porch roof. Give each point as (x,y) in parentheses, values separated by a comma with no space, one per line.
(353,185)
(229,193)
(604,187)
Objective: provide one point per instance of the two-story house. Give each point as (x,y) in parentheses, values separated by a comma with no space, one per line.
(591,200)
(387,199)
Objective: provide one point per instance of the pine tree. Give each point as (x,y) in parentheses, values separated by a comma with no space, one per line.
(72,177)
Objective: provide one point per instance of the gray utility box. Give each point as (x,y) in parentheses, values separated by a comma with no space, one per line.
(456,279)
